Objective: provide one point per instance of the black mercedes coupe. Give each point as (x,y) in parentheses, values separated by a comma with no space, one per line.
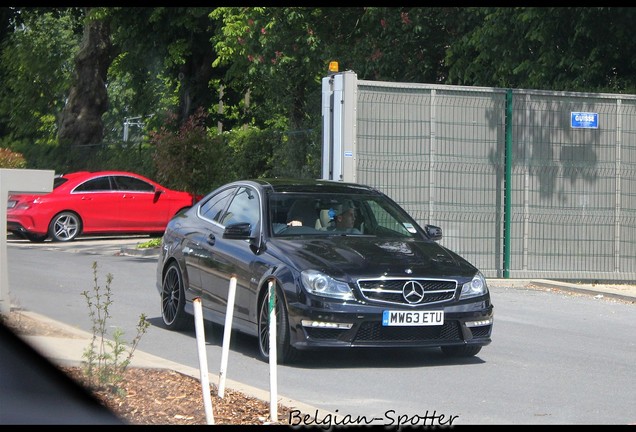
(332,264)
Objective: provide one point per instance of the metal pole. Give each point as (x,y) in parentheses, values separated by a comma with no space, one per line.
(203,360)
(273,397)
(507,185)
(227,333)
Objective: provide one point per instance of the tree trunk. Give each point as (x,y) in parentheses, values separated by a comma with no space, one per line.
(81,120)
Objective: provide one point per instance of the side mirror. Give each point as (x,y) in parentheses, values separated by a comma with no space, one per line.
(238,231)
(243,231)
(158,193)
(433,232)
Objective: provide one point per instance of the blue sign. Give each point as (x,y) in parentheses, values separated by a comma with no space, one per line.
(585,120)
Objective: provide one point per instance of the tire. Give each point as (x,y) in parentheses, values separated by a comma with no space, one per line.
(65,226)
(34,238)
(461,350)
(285,352)
(173,300)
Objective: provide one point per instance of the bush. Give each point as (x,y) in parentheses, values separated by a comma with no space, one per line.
(190,157)
(10,159)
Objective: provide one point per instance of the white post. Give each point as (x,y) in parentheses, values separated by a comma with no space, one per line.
(16,180)
(203,360)
(227,333)
(273,397)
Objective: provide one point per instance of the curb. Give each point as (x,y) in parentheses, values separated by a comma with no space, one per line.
(564,286)
(142,252)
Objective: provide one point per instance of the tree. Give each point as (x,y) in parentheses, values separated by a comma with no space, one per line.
(80,121)
(166,57)
(574,49)
(36,65)
(191,159)
(277,57)
(265,65)
(280,54)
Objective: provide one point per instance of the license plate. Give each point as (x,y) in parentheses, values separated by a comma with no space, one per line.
(412,318)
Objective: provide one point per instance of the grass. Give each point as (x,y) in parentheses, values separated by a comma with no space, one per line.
(154,242)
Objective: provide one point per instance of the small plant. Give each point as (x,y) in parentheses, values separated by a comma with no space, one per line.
(154,242)
(107,360)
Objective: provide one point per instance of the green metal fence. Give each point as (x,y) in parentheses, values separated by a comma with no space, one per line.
(518,190)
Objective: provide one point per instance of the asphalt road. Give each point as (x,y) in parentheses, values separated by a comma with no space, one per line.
(555,358)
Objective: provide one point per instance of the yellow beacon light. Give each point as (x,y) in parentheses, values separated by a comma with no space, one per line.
(333,66)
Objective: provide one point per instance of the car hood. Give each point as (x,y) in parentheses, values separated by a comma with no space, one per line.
(366,257)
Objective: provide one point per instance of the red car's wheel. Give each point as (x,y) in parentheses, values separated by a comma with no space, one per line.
(65,227)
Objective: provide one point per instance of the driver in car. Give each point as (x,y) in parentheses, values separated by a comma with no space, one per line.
(343,217)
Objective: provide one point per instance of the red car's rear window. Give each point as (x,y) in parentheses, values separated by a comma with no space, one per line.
(58,181)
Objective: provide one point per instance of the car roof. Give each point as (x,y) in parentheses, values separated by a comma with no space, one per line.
(98,173)
(292,185)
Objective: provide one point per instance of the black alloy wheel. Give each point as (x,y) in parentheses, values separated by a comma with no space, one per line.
(173,300)
(285,352)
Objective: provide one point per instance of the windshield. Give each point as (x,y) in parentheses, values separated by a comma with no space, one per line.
(316,214)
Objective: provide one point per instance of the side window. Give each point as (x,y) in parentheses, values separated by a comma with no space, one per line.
(385,221)
(100,184)
(244,208)
(132,184)
(213,208)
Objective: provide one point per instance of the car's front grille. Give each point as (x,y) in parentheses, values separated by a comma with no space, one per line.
(393,291)
(376,332)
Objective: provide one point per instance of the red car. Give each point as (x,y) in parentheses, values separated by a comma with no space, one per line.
(102,202)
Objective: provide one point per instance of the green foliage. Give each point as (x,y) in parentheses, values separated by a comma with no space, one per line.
(256,71)
(252,152)
(152,243)
(165,57)
(124,156)
(263,49)
(107,360)
(10,159)
(558,48)
(36,64)
(190,158)
(39,156)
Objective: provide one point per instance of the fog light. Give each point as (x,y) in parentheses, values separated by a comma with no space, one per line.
(479,323)
(323,324)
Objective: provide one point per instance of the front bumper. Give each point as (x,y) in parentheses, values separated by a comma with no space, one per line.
(468,324)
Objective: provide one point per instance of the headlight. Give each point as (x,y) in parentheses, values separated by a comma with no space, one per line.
(474,288)
(320,284)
